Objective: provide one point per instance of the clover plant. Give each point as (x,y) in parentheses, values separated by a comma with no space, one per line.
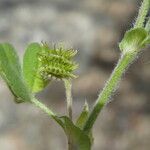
(43,63)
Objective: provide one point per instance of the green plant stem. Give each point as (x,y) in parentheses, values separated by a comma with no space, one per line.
(109,89)
(123,63)
(147,27)
(68,87)
(142,14)
(45,109)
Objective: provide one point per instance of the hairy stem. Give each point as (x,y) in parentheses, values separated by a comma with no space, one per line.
(123,63)
(109,89)
(68,88)
(147,27)
(142,14)
(45,109)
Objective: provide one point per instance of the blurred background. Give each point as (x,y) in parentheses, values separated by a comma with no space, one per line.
(94,28)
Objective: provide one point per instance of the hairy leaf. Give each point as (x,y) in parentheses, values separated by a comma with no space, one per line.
(133,40)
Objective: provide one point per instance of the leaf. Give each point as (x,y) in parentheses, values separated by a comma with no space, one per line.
(82,120)
(133,40)
(80,139)
(83,116)
(31,67)
(10,70)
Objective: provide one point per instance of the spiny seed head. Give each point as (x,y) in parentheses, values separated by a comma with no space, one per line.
(56,63)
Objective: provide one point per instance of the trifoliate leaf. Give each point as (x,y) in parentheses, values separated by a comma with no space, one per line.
(10,71)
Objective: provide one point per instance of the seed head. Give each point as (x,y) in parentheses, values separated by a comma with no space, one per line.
(57,63)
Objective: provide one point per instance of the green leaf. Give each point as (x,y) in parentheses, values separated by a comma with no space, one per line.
(83,116)
(31,68)
(133,40)
(10,71)
(81,141)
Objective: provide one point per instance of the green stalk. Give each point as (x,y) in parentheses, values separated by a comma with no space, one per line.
(47,110)
(109,89)
(68,87)
(147,27)
(142,14)
(126,59)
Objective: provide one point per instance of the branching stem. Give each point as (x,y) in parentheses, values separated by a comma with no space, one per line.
(109,89)
(126,59)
